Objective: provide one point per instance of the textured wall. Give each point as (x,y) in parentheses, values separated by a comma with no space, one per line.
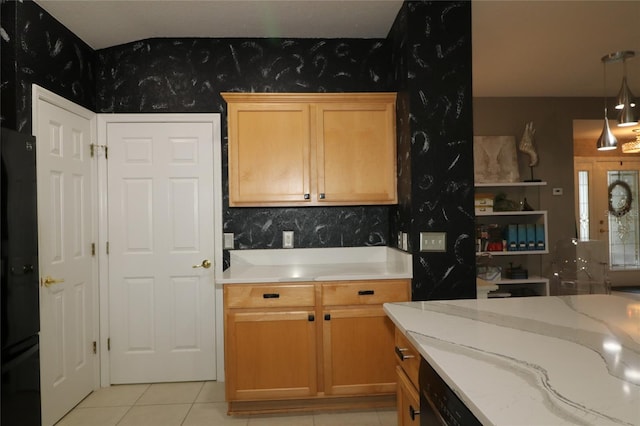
(40,50)
(432,58)
(187,75)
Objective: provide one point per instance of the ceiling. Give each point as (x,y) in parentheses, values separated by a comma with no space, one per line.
(520,48)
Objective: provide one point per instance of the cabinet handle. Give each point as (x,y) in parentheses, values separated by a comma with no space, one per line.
(327,317)
(365,292)
(271,296)
(401,355)
(413,413)
(322,197)
(307,196)
(312,317)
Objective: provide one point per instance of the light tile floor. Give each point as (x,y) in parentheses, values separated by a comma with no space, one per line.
(196,404)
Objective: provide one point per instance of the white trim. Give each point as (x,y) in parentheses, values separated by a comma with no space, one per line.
(214,119)
(40,94)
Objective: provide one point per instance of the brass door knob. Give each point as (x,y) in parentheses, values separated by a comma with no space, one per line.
(206,264)
(48,281)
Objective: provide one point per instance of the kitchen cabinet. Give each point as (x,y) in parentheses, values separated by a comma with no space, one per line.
(298,149)
(407,370)
(270,341)
(515,245)
(354,324)
(302,345)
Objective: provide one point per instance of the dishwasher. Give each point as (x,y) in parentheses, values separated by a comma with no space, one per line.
(439,405)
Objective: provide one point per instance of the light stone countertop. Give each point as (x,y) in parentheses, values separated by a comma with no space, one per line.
(316,264)
(534,360)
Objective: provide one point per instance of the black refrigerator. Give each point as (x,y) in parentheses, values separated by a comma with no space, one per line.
(19,307)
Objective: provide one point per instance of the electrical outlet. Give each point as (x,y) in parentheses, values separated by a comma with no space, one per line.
(405,241)
(433,241)
(228,243)
(287,239)
(400,240)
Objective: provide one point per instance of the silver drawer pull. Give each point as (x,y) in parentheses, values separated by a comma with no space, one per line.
(401,355)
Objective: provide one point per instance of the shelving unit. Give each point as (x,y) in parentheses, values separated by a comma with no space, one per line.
(534,284)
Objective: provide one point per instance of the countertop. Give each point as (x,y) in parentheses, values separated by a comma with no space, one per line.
(534,360)
(316,264)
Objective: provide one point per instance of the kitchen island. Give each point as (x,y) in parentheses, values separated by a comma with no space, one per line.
(533,361)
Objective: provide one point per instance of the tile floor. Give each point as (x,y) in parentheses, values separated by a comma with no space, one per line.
(195,404)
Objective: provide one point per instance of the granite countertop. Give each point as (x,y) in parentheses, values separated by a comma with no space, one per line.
(536,360)
(316,264)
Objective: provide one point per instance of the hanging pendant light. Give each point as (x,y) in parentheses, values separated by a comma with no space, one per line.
(628,115)
(606,141)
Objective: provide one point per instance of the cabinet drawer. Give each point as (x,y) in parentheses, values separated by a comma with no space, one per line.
(407,357)
(365,292)
(269,296)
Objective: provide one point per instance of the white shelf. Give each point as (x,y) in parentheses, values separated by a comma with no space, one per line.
(512,252)
(513,213)
(530,280)
(513,184)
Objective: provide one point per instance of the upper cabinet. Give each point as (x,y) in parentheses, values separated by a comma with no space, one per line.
(299,149)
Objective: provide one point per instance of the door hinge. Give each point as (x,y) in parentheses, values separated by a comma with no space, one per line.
(107,247)
(93,249)
(109,343)
(93,147)
(95,347)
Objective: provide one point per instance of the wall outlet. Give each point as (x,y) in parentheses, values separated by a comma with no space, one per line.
(287,239)
(399,245)
(228,243)
(405,241)
(433,241)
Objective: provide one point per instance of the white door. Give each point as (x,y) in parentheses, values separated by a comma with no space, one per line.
(161,251)
(64,170)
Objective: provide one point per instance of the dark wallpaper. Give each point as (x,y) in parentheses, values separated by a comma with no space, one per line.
(432,66)
(187,75)
(44,52)
(426,59)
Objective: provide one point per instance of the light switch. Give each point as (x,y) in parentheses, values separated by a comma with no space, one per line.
(287,239)
(228,241)
(433,241)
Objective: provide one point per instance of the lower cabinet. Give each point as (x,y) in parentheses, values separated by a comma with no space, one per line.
(274,354)
(306,345)
(407,371)
(408,401)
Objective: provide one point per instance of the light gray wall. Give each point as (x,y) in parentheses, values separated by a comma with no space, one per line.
(553,121)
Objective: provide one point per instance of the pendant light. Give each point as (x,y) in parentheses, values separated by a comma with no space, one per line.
(628,115)
(606,141)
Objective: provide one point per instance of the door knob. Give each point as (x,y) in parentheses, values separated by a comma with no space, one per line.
(206,264)
(48,281)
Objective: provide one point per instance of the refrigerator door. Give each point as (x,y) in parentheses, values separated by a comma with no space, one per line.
(19,298)
(21,384)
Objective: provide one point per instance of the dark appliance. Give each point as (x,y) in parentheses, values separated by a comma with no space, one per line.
(19,303)
(439,405)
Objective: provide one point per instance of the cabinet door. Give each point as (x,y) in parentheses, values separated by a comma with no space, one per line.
(356,153)
(268,153)
(270,355)
(358,351)
(408,401)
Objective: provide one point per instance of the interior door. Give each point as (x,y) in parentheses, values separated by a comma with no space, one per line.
(64,170)
(161,248)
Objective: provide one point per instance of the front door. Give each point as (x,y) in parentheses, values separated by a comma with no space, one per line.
(161,251)
(64,170)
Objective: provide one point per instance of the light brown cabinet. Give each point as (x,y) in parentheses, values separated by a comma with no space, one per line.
(408,365)
(304,345)
(296,149)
